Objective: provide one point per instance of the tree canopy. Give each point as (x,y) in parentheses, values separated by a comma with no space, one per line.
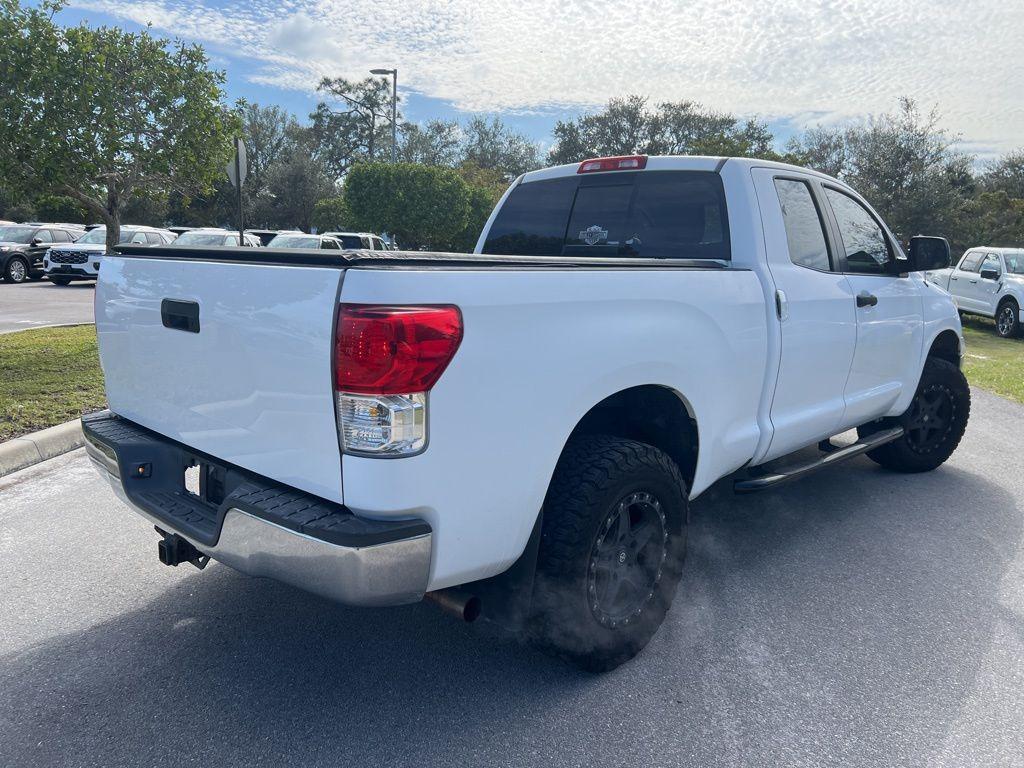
(100,114)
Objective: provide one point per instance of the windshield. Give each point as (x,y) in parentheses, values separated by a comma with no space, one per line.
(17,234)
(96,236)
(294,241)
(200,238)
(650,214)
(1015,263)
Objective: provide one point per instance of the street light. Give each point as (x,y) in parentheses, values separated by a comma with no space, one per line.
(394,108)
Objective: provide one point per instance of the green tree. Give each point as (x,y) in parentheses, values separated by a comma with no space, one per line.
(491,145)
(626,126)
(60,208)
(439,142)
(904,163)
(100,114)
(296,182)
(356,127)
(422,205)
(330,214)
(990,218)
(1006,175)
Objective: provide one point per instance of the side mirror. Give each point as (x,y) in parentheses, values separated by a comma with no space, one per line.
(990,274)
(928,253)
(36,242)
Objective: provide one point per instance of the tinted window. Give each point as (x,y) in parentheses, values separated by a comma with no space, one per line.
(804,232)
(971,262)
(44,235)
(657,214)
(153,238)
(867,249)
(138,238)
(1014,263)
(326,243)
(60,236)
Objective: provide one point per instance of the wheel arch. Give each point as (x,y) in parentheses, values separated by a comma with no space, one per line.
(946,346)
(649,413)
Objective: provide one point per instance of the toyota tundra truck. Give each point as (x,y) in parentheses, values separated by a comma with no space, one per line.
(518,432)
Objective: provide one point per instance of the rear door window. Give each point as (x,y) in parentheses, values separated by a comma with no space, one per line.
(650,214)
(805,233)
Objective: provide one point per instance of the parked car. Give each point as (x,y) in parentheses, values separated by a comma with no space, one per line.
(81,260)
(215,237)
(22,247)
(302,240)
(265,235)
(359,240)
(520,431)
(988,282)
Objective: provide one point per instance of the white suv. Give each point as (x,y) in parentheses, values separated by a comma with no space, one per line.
(81,260)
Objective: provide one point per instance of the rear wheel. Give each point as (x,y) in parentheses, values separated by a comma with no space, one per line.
(17,270)
(60,280)
(933,424)
(612,547)
(1008,319)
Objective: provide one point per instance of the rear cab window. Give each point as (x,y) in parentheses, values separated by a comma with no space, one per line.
(645,214)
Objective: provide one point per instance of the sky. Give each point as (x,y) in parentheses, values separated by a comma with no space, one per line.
(792,63)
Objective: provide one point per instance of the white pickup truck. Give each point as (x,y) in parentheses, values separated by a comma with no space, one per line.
(987,282)
(519,431)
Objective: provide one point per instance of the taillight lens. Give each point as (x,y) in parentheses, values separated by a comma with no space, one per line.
(386,358)
(619,163)
(388,350)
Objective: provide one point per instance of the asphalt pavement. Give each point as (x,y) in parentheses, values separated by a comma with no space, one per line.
(857,617)
(40,303)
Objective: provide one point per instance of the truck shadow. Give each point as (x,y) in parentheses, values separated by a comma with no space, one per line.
(847,615)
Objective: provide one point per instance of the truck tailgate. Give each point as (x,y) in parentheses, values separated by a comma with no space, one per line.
(249,381)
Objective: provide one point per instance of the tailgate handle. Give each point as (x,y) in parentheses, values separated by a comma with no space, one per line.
(180,315)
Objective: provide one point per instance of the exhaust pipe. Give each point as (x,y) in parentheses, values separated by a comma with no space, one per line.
(460,604)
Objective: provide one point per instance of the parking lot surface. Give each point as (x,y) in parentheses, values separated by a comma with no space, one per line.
(858,617)
(40,303)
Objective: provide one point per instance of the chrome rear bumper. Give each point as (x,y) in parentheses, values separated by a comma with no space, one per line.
(380,573)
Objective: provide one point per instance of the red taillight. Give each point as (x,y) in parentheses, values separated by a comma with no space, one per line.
(392,350)
(621,163)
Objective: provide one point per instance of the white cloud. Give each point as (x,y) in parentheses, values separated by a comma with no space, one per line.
(825,60)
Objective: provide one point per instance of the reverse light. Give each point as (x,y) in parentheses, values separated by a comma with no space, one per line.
(386,359)
(619,163)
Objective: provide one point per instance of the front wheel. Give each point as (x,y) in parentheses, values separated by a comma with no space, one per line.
(1008,320)
(933,424)
(612,545)
(17,270)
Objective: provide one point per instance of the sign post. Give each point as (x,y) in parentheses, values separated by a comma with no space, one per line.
(237,170)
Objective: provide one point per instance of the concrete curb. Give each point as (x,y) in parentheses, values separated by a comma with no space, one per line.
(27,450)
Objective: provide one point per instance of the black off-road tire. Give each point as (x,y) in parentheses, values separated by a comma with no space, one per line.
(934,422)
(601,484)
(1008,319)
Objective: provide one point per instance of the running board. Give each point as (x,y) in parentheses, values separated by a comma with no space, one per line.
(865,444)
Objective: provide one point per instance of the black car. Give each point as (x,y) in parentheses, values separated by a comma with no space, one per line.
(22,247)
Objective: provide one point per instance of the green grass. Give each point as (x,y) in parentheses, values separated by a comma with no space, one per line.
(48,376)
(993,363)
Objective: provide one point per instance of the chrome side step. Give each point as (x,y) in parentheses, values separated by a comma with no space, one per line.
(754,484)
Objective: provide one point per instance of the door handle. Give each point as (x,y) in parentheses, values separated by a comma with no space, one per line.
(180,315)
(866,299)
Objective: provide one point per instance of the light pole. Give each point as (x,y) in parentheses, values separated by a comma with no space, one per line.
(394,108)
